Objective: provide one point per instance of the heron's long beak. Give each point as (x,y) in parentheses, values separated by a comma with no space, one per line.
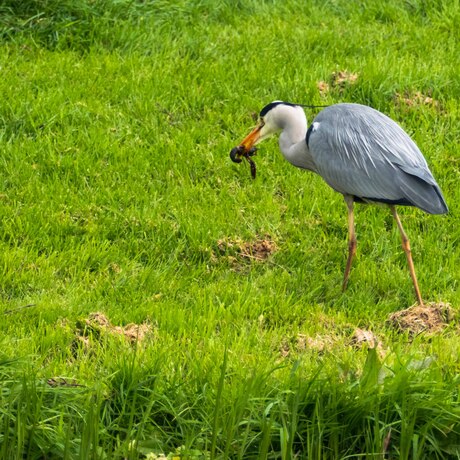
(252,138)
(246,144)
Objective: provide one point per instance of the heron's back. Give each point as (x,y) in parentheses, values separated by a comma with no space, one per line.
(360,151)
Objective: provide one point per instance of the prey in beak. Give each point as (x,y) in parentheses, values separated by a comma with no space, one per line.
(246,149)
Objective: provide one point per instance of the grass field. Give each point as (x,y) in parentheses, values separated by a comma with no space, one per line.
(119,198)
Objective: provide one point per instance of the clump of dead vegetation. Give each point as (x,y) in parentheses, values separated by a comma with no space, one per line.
(414,99)
(302,343)
(362,337)
(337,81)
(431,317)
(97,326)
(238,252)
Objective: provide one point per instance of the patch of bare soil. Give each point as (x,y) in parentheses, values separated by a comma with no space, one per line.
(303,342)
(97,325)
(431,317)
(365,338)
(338,80)
(362,337)
(238,250)
(415,99)
(323,87)
(343,78)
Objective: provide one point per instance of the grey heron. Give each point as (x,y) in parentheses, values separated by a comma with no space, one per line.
(359,152)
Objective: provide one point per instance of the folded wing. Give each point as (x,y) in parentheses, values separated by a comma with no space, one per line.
(361,152)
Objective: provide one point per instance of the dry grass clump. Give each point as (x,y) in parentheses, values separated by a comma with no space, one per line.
(302,343)
(238,252)
(97,324)
(362,337)
(338,80)
(413,99)
(431,317)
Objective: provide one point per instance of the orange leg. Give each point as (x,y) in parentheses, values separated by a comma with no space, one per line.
(351,239)
(406,247)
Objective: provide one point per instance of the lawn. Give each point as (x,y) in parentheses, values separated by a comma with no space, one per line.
(156,301)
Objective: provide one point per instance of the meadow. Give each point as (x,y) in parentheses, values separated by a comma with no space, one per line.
(155,300)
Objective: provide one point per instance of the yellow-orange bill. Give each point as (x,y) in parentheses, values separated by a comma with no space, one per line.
(251,138)
(246,148)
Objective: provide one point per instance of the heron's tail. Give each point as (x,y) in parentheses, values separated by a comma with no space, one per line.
(425,195)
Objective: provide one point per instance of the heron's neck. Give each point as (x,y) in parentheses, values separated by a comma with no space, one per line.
(294,146)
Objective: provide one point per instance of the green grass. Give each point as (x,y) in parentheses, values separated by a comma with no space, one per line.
(116,120)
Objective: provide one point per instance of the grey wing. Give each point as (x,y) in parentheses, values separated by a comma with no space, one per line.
(361,152)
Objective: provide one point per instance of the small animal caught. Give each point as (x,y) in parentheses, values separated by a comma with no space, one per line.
(239,152)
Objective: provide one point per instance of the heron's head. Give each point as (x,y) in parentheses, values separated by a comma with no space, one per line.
(272,119)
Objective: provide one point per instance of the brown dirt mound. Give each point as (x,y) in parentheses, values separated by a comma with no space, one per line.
(97,324)
(362,337)
(343,78)
(431,317)
(302,343)
(323,87)
(415,99)
(260,249)
(339,80)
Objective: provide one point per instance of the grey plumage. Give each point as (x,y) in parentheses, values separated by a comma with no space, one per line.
(361,152)
(357,150)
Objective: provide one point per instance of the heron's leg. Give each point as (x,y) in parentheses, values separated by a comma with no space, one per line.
(351,239)
(406,247)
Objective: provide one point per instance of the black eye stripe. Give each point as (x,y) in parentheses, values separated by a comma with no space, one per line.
(270,106)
